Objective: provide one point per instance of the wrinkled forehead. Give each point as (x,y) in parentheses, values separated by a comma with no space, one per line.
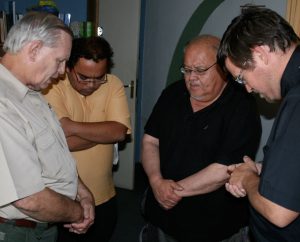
(203,54)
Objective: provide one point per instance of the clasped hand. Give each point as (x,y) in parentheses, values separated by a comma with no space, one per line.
(82,226)
(164,192)
(240,175)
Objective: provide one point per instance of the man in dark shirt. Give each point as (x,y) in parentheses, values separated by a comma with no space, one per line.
(261,49)
(198,127)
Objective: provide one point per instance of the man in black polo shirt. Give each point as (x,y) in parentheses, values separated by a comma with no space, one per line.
(262,50)
(198,127)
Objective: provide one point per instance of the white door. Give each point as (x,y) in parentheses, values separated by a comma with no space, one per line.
(120,21)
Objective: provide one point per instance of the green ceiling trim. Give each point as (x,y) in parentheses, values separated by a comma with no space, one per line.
(191,30)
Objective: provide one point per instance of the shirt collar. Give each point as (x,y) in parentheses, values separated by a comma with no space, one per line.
(291,74)
(15,86)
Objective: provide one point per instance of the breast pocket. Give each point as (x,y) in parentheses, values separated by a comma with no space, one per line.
(56,161)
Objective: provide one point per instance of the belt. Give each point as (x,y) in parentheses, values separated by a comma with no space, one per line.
(24,223)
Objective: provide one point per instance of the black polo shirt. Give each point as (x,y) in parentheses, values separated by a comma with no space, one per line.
(280,177)
(189,141)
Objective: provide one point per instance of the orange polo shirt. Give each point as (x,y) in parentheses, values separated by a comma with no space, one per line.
(108,103)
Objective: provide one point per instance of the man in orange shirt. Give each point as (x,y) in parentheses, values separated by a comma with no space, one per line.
(92,108)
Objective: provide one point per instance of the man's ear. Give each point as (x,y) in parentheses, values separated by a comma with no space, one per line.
(261,53)
(33,49)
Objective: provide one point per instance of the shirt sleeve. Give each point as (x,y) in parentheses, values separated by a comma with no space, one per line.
(20,170)
(153,124)
(280,177)
(118,106)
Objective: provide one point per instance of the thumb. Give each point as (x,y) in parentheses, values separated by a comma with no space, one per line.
(231,168)
(250,163)
(247,159)
(177,187)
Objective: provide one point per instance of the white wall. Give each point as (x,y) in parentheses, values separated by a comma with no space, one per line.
(164,23)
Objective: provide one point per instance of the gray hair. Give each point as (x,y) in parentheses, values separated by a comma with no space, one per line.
(35,26)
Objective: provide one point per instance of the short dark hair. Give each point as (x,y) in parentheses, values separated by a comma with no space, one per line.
(91,48)
(254,27)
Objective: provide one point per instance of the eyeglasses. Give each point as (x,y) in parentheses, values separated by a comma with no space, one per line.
(87,80)
(197,70)
(239,79)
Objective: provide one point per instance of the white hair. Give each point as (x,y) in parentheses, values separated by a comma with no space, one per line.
(35,26)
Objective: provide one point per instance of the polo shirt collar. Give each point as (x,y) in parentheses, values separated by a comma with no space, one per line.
(291,74)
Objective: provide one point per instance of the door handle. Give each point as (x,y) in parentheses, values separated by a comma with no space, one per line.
(131,86)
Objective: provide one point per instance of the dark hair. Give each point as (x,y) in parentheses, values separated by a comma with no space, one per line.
(91,48)
(254,27)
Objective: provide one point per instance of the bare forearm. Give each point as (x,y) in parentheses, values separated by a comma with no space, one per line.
(107,132)
(50,206)
(76,143)
(84,135)
(83,192)
(150,158)
(163,189)
(207,180)
(273,212)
